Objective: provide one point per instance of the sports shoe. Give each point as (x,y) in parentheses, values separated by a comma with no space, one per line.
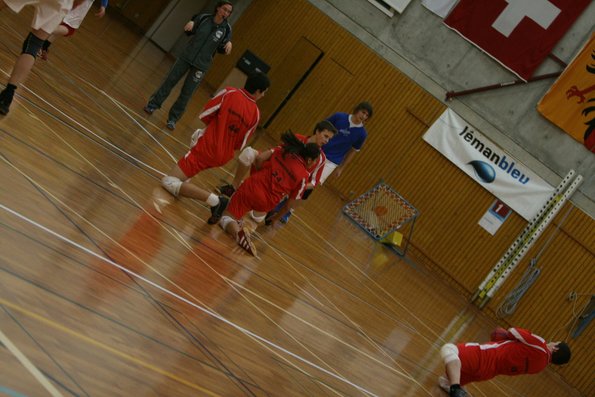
(5,100)
(149,109)
(245,242)
(457,391)
(285,218)
(217,210)
(227,190)
(171,125)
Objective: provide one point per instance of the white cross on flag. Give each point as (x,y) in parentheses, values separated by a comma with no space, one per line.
(517,33)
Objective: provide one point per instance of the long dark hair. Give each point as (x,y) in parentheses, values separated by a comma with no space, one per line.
(292,145)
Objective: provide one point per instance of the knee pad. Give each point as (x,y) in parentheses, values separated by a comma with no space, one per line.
(225,220)
(171,184)
(449,353)
(247,156)
(257,219)
(32,45)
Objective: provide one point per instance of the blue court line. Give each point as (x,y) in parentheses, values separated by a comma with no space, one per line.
(10,392)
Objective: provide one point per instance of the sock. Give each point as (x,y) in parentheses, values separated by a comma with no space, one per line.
(212,200)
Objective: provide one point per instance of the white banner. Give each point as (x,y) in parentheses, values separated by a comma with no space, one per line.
(505,177)
(439,7)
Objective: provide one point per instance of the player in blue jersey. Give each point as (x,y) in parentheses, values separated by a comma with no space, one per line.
(347,141)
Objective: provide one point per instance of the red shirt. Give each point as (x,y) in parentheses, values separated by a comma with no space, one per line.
(265,188)
(316,169)
(522,353)
(231,118)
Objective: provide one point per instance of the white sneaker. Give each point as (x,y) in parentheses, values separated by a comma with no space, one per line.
(197,134)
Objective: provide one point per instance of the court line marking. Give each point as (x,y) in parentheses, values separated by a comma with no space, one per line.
(10,392)
(184,243)
(380,288)
(180,298)
(223,277)
(29,365)
(108,143)
(103,346)
(176,234)
(357,327)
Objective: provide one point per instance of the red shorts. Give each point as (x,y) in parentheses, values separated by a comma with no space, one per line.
(250,196)
(197,160)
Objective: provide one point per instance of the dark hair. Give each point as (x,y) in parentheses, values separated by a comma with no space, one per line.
(257,81)
(222,3)
(562,354)
(325,125)
(292,145)
(367,106)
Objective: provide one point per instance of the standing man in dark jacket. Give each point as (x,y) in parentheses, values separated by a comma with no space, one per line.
(210,33)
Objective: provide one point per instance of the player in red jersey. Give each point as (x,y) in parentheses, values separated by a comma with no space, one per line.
(323,132)
(281,171)
(513,352)
(231,117)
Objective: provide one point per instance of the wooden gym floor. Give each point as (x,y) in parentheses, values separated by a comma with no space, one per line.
(102,295)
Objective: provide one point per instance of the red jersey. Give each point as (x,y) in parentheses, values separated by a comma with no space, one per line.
(264,189)
(522,353)
(316,169)
(231,117)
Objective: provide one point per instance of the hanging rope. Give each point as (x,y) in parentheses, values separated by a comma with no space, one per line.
(513,298)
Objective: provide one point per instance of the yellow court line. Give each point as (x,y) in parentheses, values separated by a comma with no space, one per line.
(105,347)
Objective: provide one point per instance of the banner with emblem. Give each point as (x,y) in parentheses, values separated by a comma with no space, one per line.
(517,33)
(570,102)
(489,165)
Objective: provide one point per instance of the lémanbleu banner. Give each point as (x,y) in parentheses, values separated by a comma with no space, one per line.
(505,177)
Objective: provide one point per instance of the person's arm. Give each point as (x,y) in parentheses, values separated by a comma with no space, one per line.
(500,334)
(262,157)
(211,109)
(225,47)
(348,157)
(77,3)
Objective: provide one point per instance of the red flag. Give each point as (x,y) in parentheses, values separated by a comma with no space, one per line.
(517,33)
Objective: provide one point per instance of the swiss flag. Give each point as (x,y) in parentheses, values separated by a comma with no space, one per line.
(517,33)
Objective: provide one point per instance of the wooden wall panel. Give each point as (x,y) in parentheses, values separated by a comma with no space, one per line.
(447,236)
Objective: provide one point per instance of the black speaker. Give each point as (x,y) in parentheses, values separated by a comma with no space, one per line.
(250,63)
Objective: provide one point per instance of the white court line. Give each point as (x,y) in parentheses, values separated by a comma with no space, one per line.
(128,112)
(89,131)
(182,299)
(29,366)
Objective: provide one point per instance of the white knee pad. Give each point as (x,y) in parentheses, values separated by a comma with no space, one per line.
(171,184)
(225,220)
(248,155)
(257,219)
(449,353)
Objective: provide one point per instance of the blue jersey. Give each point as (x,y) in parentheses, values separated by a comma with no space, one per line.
(348,136)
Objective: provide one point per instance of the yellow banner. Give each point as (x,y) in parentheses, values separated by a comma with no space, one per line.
(570,102)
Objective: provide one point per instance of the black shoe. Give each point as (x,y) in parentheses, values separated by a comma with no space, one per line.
(5,100)
(267,219)
(217,210)
(227,190)
(457,391)
(149,109)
